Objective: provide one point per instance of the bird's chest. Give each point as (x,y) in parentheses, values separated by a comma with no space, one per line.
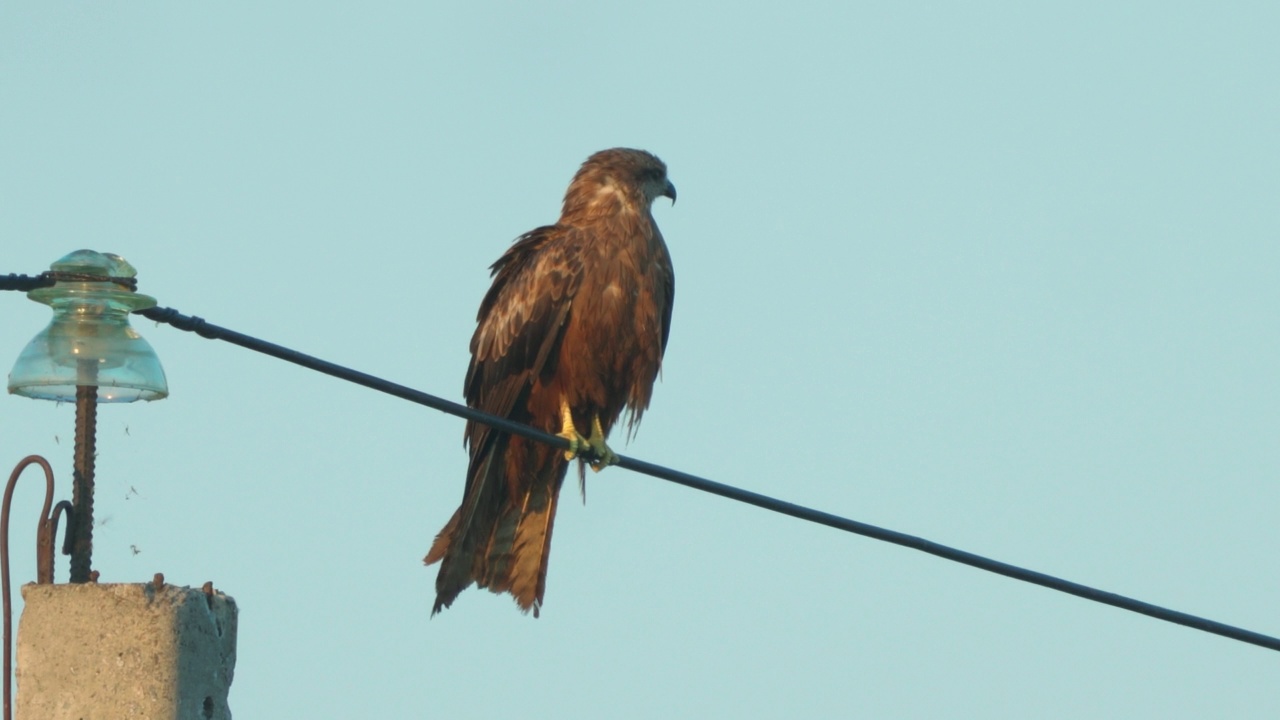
(615,300)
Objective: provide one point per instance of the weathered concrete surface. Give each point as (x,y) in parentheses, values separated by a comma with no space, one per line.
(89,651)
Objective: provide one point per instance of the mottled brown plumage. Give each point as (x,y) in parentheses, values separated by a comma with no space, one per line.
(577,317)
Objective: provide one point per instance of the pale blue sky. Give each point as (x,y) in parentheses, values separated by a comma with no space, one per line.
(1002,275)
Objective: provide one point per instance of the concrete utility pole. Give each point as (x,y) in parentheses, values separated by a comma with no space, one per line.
(104,652)
(89,650)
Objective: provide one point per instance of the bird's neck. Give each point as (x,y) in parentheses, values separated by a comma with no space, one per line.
(583,205)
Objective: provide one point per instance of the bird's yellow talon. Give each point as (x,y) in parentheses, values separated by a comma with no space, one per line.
(604,455)
(575,442)
(570,433)
(596,451)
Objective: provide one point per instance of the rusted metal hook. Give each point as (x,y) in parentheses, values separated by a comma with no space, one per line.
(46,530)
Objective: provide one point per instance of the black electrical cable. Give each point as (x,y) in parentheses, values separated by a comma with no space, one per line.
(25,283)
(214,332)
(49,278)
(208,330)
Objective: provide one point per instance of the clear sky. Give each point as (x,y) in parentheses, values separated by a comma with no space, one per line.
(1002,275)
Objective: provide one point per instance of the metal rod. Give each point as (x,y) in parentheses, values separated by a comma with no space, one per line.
(45,540)
(82,483)
(44,557)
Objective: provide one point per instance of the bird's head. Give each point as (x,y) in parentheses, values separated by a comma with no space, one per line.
(619,179)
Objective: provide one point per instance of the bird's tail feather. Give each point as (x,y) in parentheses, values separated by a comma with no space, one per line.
(470,527)
(501,539)
(517,557)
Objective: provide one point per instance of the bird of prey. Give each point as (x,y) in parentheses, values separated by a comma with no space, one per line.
(571,334)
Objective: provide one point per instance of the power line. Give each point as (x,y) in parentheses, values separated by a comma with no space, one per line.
(214,332)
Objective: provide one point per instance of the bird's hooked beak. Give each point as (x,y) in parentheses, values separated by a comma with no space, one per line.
(670,191)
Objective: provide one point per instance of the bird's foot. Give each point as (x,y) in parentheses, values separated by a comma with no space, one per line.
(593,450)
(604,456)
(570,433)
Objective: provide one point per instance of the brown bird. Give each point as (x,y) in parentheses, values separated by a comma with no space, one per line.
(571,333)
